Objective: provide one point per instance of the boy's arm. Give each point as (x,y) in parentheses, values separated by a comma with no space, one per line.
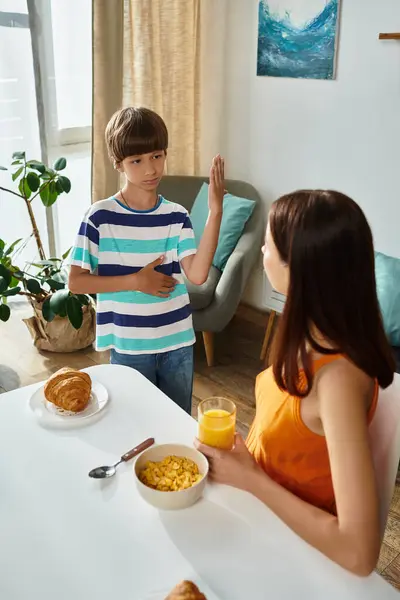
(197,266)
(84,262)
(81,281)
(147,280)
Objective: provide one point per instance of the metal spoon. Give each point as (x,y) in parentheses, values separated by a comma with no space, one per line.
(103,472)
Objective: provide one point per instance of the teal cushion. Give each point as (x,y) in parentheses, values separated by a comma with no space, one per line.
(236,213)
(387,271)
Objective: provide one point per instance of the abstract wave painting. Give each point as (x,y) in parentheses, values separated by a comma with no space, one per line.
(298,38)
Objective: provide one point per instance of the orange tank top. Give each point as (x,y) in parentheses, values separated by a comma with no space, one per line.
(286,449)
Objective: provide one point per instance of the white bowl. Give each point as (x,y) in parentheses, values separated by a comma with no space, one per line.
(171,500)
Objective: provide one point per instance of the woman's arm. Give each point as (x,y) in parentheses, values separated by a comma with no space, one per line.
(352,539)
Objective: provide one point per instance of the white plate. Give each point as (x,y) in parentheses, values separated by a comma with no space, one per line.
(50,415)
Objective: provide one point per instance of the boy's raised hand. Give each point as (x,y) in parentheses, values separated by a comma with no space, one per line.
(216,190)
(150,281)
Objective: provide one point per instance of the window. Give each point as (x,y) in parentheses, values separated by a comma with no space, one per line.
(19,128)
(66,48)
(66,57)
(63,39)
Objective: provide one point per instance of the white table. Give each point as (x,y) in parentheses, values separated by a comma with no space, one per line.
(64,536)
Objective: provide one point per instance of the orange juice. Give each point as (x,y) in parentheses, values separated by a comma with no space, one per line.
(217,428)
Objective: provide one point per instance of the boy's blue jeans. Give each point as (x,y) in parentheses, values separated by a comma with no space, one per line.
(171,372)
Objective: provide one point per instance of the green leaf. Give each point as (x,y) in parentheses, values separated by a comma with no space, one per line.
(48,194)
(24,188)
(48,314)
(6,275)
(74,312)
(59,187)
(66,184)
(33,181)
(58,280)
(18,155)
(2,246)
(46,176)
(15,162)
(58,302)
(12,291)
(17,173)
(11,248)
(83,299)
(27,189)
(53,194)
(41,263)
(37,265)
(45,196)
(3,284)
(33,286)
(66,254)
(47,272)
(54,284)
(4,312)
(61,276)
(35,164)
(3,168)
(60,164)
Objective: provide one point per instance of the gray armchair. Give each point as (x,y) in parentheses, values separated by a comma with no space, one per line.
(215,302)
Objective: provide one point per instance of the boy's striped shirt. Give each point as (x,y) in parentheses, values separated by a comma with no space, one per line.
(116,240)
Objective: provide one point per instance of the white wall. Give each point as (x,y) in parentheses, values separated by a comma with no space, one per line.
(283,134)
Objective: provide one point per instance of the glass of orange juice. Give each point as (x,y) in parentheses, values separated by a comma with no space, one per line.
(217,422)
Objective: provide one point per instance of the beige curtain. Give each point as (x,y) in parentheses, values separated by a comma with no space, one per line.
(147,53)
(162,71)
(107,36)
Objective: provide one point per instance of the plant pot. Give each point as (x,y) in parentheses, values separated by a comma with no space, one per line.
(59,335)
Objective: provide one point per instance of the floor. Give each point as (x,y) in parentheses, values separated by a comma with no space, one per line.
(237,352)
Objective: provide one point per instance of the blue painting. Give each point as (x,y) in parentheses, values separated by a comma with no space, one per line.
(298,38)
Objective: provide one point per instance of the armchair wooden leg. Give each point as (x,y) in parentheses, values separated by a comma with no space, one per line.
(208,338)
(268,333)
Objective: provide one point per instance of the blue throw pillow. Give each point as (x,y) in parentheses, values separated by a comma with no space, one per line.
(387,272)
(237,212)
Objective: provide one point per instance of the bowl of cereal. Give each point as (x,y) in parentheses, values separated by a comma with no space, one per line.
(171,476)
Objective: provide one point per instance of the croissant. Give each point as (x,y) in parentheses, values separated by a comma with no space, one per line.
(69,389)
(186,590)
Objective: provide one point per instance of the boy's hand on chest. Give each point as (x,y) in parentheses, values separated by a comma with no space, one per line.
(150,281)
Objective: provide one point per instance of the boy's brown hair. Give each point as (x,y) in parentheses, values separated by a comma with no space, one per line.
(133,131)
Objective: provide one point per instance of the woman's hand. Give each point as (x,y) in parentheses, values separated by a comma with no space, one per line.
(235,467)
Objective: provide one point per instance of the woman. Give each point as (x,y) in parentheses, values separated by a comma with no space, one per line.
(307,456)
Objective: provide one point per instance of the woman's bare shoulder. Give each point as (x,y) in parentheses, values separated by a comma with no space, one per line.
(344,377)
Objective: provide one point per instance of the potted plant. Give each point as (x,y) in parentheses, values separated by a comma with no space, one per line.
(62,321)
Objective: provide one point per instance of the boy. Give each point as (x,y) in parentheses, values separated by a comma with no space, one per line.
(132,249)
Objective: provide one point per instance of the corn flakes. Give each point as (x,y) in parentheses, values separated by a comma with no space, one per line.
(172,474)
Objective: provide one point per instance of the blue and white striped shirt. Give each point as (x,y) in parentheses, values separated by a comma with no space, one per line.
(116,240)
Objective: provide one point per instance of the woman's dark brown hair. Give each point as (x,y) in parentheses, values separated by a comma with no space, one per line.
(326,242)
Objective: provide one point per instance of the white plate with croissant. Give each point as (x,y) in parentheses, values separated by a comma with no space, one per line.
(68,398)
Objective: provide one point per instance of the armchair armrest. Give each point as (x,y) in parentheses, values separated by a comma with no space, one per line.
(227,296)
